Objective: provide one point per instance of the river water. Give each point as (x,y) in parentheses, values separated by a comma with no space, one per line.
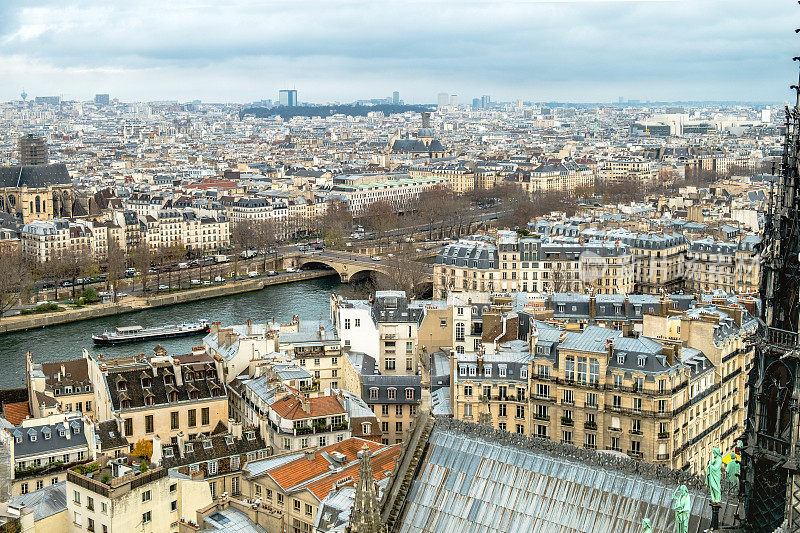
(308,299)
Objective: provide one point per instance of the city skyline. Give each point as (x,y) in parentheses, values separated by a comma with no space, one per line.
(566,51)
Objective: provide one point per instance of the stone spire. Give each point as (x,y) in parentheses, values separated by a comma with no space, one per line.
(366,514)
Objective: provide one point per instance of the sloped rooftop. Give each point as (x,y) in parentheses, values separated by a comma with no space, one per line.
(475,478)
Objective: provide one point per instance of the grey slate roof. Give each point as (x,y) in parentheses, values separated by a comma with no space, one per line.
(48,438)
(34,175)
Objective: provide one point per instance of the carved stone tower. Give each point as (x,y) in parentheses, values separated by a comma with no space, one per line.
(366,514)
(771,455)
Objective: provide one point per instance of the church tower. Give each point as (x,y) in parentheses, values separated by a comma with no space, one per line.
(771,454)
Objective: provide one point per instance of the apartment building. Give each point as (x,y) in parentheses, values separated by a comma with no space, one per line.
(513,263)
(40,450)
(385,327)
(296,484)
(563,177)
(400,190)
(668,396)
(627,171)
(160,396)
(714,265)
(64,383)
(459,177)
(113,496)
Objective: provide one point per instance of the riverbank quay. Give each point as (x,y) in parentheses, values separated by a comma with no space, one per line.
(132,304)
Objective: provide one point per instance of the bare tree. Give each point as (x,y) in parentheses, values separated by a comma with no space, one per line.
(401,273)
(380,217)
(14,278)
(142,258)
(432,206)
(336,224)
(115,265)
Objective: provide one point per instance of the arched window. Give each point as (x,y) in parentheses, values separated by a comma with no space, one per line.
(459,332)
(38,205)
(12,201)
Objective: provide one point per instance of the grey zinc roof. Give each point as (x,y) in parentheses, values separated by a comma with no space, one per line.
(477,479)
(44,502)
(592,339)
(230,520)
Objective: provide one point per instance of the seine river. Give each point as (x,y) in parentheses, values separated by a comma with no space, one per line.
(308,299)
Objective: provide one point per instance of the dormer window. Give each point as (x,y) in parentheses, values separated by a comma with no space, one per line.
(146,383)
(392,392)
(642,360)
(366,428)
(62,432)
(194,395)
(173,396)
(189,447)
(126,404)
(122,386)
(46,434)
(189,376)
(235,462)
(250,435)
(207,444)
(33,437)
(18,439)
(169,379)
(229,440)
(373,393)
(168,452)
(150,400)
(621,359)
(409,394)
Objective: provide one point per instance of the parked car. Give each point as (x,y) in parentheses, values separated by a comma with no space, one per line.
(163,287)
(376,258)
(290,269)
(206,282)
(219,279)
(272,273)
(122,294)
(195,282)
(183,265)
(252,274)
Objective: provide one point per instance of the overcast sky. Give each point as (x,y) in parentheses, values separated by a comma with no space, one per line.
(329,50)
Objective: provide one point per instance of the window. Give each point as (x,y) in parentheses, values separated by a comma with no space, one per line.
(409,394)
(212,468)
(173,420)
(235,462)
(501,371)
(296,505)
(76,497)
(323,441)
(146,517)
(523,372)
(569,397)
(569,368)
(146,496)
(398,426)
(103,507)
(346,323)
(358,322)
(617,381)
(206,416)
(309,510)
(460,332)
(398,410)
(173,506)
(594,371)
(392,392)
(192,418)
(78,519)
(468,410)
(389,363)
(148,424)
(501,410)
(642,360)
(638,383)
(373,393)
(173,487)
(467,390)
(591,399)
(24,489)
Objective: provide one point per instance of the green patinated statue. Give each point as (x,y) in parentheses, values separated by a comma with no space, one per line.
(646,527)
(682,503)
(732,469)
(714,476)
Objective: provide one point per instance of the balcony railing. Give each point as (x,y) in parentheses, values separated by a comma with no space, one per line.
(635,454)
(566,421)
(537,416)
(590,425)
(782,337)
(663,435)
(613,428)
(662,457)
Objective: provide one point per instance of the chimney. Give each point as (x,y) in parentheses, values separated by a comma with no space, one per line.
(157,453)
(68,430)
(235,428)
(249,327)
(305,405)
(592,306)
(610,348)
(215,327)
(181,443)
(310,454)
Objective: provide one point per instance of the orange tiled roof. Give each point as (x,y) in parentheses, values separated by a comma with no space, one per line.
(302,469)
(382,465)
(289,407)
(16,412)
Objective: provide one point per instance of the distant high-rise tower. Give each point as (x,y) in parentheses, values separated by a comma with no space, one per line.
(32,150)
(476,103)
(287,97)
(454,100)
(426,119)
(443,99)
(486,101)
(396,97)
(102,99)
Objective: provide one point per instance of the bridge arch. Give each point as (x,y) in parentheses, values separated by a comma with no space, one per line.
(347,271)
